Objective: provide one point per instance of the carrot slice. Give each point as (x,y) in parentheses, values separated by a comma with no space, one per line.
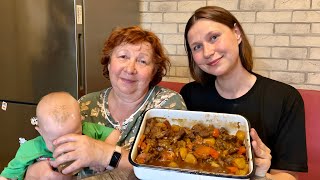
(242,150)
(232,169)
(216,132)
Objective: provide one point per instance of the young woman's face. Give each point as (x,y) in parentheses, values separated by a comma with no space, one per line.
(132,68)
(214,47)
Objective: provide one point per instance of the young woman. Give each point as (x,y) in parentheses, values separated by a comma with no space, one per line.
(220,61)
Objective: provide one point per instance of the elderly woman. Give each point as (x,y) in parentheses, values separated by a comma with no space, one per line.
(135,63)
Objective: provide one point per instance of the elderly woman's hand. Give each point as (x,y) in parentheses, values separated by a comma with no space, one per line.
(43,171)
(83,151)
(262,154)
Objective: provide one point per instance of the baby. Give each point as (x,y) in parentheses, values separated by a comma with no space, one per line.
(58,114)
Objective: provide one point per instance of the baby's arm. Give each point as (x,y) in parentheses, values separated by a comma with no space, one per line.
(3,178)
(113,137)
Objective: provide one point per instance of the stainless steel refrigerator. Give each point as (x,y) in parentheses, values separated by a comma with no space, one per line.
(51,45)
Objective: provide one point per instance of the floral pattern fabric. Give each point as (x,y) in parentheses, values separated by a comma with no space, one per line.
(94,108)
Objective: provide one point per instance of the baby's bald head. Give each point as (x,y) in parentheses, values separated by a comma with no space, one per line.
(58,106)
(58,113)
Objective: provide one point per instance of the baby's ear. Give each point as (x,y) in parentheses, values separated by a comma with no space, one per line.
(38,129)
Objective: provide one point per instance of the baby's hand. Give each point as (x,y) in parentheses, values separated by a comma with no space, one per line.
(42,170)
(98,169)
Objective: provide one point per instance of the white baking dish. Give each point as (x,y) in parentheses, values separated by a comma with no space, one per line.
(231,122)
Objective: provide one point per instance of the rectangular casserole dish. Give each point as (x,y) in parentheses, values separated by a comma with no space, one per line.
(183,118)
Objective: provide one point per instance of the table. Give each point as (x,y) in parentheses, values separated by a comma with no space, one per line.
(116,174)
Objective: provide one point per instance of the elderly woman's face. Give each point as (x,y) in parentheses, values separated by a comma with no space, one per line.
(132,68)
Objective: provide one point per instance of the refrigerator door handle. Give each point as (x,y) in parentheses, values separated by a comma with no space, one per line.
(81,66)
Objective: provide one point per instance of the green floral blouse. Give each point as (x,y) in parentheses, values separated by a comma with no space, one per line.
(94,108)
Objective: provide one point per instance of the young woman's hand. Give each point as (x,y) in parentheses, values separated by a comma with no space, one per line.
(262,154)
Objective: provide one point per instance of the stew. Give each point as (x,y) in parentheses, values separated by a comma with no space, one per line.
(202,147)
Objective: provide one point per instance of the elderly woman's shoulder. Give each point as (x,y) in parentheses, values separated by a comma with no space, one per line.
(168,98)
(164,90)
(166,93)
(93,96)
